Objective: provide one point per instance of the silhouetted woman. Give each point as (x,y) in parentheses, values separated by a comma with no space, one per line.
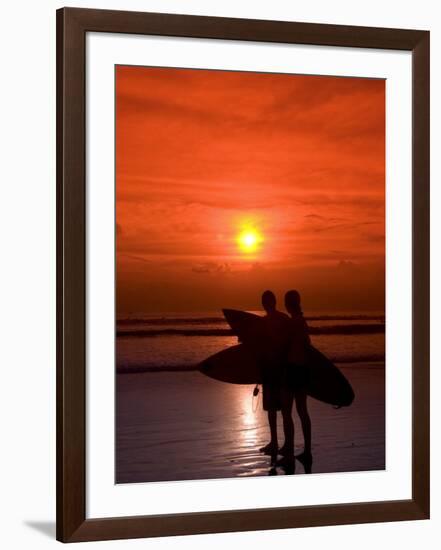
(295,379)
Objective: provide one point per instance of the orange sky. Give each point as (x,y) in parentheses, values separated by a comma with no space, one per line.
(202,154)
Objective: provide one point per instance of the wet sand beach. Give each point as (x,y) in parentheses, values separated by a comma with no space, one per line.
(186,426)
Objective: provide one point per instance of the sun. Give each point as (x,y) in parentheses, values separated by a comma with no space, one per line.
(249,240)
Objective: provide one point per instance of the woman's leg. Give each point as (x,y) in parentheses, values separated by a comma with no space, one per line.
(288,424)
(302,410)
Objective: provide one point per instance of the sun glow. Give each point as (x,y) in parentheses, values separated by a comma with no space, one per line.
(249,240)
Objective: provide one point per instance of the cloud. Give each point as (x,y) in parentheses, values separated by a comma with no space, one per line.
(211,268)
(346,264)
(257,267)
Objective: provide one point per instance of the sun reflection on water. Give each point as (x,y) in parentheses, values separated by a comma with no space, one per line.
(249,420)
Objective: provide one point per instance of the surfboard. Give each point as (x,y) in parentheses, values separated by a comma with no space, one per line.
(235,365)
(248,327)
(326,382)
(240,364)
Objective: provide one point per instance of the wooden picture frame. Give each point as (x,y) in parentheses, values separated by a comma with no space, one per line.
(72,26)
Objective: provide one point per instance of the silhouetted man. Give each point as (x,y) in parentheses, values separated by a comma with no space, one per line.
(274,351)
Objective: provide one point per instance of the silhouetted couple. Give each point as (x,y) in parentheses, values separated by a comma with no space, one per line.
(284,374)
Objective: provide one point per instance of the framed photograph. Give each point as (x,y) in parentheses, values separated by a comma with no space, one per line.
(242,274)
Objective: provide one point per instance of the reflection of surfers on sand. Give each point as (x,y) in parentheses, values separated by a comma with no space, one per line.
(181,425)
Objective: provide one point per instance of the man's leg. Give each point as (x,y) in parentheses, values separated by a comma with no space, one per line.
(272,419)
(273,445)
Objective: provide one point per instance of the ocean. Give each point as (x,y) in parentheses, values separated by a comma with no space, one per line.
(178,342)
